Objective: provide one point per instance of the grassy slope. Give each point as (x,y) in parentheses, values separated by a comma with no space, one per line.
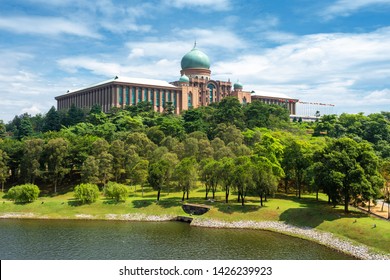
(303,212)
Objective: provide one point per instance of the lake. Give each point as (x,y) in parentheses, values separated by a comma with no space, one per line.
(25,239)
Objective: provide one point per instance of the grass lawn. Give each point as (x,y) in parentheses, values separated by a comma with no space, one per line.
(304,212)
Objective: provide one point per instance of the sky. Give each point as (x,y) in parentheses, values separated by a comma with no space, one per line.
(330,51)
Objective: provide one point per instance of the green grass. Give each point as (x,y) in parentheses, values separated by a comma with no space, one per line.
(304,212)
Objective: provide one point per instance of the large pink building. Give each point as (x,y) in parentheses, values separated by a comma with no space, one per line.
(194,88)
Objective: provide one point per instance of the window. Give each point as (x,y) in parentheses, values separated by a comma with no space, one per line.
(211,92)
(157,97)
(127,96)
(163,97)
(120,95)
(133,96)
(145,94)
(174,99)
(152,96)
(139,95)
(169,96)
(190,100)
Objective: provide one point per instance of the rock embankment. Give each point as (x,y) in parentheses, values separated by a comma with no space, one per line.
(324,238)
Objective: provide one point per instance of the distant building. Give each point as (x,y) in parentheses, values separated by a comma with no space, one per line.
(195,88)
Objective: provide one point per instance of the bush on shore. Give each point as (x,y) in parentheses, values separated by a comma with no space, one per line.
(116,191)
(24,193)
(86,193)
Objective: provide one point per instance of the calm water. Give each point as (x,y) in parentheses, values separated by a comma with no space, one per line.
(118,240)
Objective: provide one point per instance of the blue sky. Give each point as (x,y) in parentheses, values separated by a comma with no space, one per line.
(332,51)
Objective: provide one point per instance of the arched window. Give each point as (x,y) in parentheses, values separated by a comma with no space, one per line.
(189,100)
(211,92)
(244,101)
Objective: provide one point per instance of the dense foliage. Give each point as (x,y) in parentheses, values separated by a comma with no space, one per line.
(245,150)
(24,193)
(86,193)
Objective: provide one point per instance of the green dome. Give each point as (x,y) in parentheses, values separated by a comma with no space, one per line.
(238,85)
(195,59)
(184,79)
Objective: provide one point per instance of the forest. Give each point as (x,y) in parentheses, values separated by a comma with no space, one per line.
(252,149)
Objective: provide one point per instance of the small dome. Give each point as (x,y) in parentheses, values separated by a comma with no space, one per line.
(184,79)
(238,85)
(195,59)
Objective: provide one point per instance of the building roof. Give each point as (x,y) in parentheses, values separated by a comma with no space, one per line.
(195,59)
(130,80)
(271,94)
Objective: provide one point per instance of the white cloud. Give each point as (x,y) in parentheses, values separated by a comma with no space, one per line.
(73,64)
(218,5)
(33,110)
(346,7)
(46,26)
(332,68)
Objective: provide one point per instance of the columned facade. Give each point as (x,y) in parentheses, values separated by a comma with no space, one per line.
(194,88)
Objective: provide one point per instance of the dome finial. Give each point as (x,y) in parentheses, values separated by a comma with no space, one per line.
(194,44)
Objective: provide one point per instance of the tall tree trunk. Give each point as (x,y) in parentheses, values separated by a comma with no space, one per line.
(242,200)
(286,185)
(184,192)
(317,195)
(158,194)
(261,200)
(188,194)
(227,195)
(346,202)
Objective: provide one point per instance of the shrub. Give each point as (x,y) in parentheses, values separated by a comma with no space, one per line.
(116,191)
(86,193)
(23,193)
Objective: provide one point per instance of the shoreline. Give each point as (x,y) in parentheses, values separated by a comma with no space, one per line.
(323,238)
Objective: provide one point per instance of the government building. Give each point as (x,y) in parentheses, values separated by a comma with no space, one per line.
(195,88)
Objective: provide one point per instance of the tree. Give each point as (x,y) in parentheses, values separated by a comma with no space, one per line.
(104,160)
(74,116)
(259,114)
(264,181)
(139,173)
(186,175)
(229,111)
(348,170)
(117,150)
(24,193)
(385,172)
(116,191)
(4,169)
(30,164)
(14,150)
(56,151)
(90,170)
(25,129)
(227,169)
(86,193)
(158,176)
(295,162)
(210,175)
(52,121)
(242,177)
